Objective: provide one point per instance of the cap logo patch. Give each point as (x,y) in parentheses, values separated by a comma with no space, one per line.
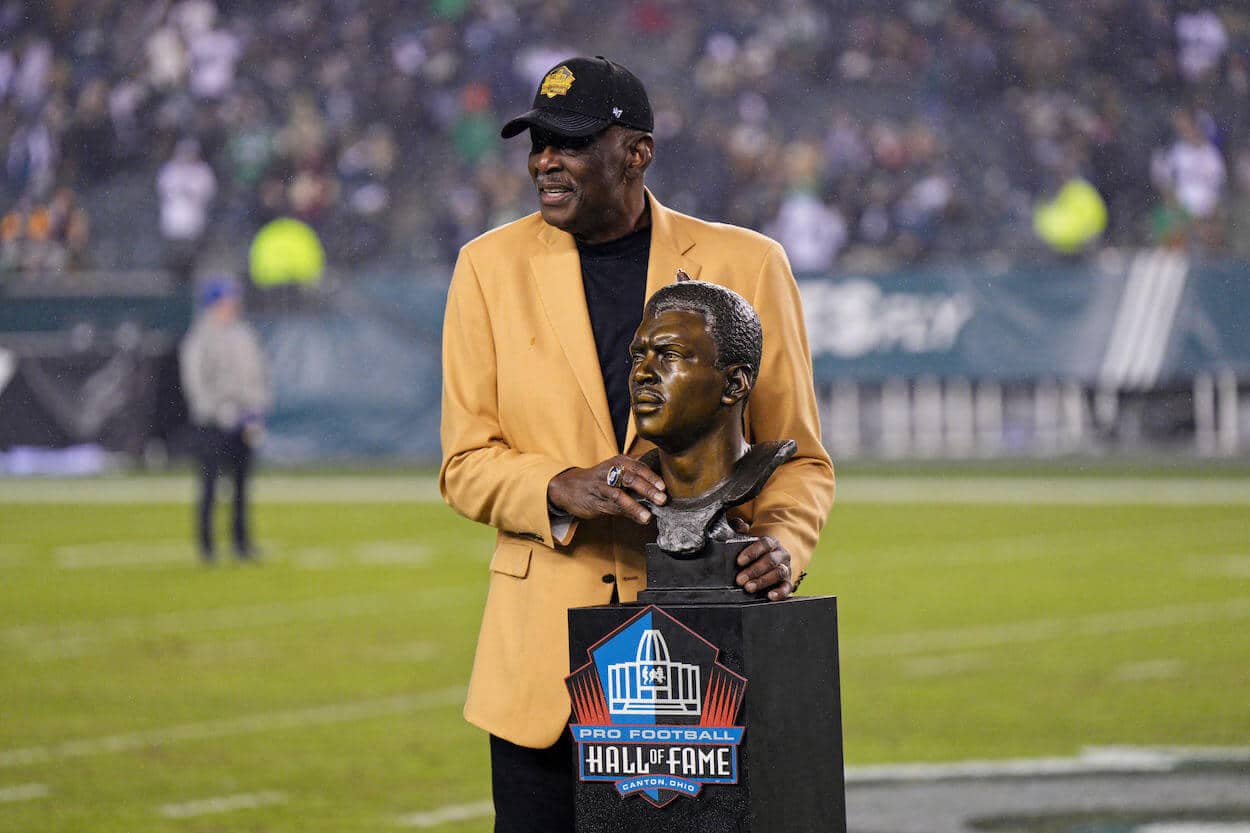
(557,82)
(616,112)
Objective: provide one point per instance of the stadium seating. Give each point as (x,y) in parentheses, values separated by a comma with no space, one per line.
(896,132)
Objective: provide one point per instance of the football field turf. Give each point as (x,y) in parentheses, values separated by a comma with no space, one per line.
(982,617)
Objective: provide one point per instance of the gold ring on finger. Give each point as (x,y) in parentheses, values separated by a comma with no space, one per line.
(615,476)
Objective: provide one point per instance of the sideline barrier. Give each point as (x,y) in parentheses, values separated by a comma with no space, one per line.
(1145,350)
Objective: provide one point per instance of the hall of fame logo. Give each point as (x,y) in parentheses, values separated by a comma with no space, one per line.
(558,82)
(654,711)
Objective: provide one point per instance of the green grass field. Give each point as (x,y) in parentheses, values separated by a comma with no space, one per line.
(983,617)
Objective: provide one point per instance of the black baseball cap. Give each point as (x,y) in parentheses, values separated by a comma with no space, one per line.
(581,96)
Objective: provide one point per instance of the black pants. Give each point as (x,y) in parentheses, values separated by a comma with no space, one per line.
(533,788)
(223,450)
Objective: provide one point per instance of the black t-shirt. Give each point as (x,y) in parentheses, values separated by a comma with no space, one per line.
(614,275)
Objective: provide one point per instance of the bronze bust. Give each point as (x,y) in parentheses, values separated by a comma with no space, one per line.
(695,358)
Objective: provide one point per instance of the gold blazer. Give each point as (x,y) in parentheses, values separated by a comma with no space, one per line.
(523,399)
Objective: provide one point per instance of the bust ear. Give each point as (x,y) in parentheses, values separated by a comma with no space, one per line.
(737,384)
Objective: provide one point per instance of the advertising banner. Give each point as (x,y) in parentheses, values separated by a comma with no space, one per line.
(1132,323)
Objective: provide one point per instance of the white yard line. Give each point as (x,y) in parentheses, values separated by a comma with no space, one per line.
(448,814)
(1105,760)
(234,726)
(1194,827)
(360,553)
(1009,490)
(76,638)
(1148,670)
(978,550)
(1093,760)
(348,489)
(1078,491)
(1233,566)
(180,553)
(176,489)
(1040,630)
(408,652)
(23,792)
(221,804)
(113,554)
(944,665)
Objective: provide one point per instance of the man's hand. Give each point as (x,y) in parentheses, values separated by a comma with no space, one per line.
(585,493)
(766,564)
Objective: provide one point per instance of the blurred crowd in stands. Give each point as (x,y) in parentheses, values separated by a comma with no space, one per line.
(867,135)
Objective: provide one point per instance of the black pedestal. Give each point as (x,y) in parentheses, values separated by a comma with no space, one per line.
(707,576)
(789,770)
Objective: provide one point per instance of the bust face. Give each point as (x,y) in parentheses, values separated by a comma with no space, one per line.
(675,388)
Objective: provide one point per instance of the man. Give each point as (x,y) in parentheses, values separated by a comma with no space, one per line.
(186,185)
(226,385)
(539,317)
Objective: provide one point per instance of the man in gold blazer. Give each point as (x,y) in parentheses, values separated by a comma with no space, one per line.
(537,438)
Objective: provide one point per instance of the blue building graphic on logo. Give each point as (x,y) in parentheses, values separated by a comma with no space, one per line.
(652,683)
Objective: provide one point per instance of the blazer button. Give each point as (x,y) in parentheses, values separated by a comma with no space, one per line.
(609,578)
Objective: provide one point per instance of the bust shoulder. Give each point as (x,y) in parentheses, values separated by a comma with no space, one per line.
(686,524)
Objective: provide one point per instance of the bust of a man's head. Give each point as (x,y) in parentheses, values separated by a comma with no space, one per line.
(695,358)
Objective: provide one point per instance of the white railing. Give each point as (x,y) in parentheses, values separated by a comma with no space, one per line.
(961,418)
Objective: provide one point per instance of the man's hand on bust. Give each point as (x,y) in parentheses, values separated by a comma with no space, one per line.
(585,493)
(766,564)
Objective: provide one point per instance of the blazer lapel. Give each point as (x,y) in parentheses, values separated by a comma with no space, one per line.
(671,246)
(557,275)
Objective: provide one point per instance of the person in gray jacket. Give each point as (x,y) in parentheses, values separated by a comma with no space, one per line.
(226,384)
